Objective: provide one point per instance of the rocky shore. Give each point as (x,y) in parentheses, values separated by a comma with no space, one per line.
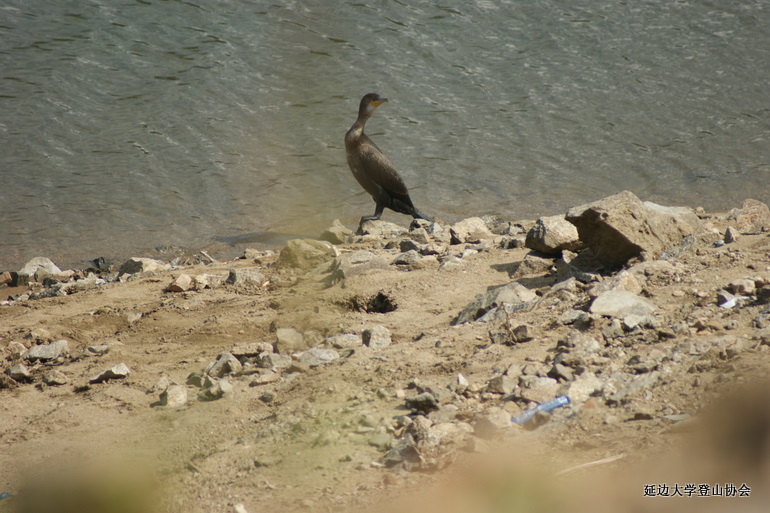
(334,372)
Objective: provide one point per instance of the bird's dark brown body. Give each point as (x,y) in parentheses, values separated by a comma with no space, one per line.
(373,170)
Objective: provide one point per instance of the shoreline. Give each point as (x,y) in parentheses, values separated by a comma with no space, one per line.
(294,379)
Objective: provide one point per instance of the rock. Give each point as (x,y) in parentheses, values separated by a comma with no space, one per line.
(117,372)
(215,389)
(355,263)
(175,396)
(561,372)
(583,387)
(551,235)
(207,281)
(621,227)
(138,265)
(47,352)
(523,333)
(619,304)
(633,387)
(492,423)
(623,280)
(6,382)
(535,388)
(55,378)
(731,235)
(533,263)
(181,283)
(306,253)
(407,258)
(266,378)
(513,293)
(251,350)
(376,337)
(269,360)
(289,340)
(226,364)
(239,508)
(345,341)
(753,217)
(381,229)
(196,379)
(422,403)
(742,287)
(20,373)
(245,277)
(39,268)
(472,229)
(337,233)
(503,384)
(5,278)
(317,356)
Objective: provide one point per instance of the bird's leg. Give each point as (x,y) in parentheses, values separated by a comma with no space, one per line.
(376,217)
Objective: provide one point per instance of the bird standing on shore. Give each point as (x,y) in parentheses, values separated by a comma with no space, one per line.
(373,170)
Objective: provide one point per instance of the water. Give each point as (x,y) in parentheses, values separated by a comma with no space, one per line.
(126,125)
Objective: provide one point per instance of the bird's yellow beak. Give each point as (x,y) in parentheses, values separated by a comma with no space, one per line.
(379,102)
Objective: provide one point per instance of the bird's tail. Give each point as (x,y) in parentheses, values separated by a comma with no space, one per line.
(419,215)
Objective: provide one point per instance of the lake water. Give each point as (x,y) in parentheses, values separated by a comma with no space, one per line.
(127,125)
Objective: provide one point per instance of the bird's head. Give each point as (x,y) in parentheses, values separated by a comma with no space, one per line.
(368,103)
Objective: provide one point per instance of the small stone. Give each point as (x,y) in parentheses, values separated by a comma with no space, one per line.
(266,378)
(47,352)
(245,277)
(216,389)
(251,350)
(55,378)
(376,337)
(306,253)
(289,340)
(239,508)
(422,403)
(472,229)
(181,283)
(226,364)
(345,341)
(380,441)
(561,372)
(503,384)
(20,372)
(523,333)
(142,265)
(551,235)
(731,235)
(196,379)
(381,229)
(117,372)
(274,360)
(753,217)
(317,356)
(337,233)
(175,396)
(39,268)
(17,349)
(742,287)
(491,423)
(355,263)
(620,303)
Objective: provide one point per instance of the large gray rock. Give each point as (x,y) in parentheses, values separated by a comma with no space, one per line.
(306,253)
(514,294)
(356,262)
(381,229)
(317,356)
(38,268)
(119,371)
(225,364)
(245,277)
(551,235)
(621,303)
(621,227)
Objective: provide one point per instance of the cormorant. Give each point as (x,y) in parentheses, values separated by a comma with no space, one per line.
(373,170)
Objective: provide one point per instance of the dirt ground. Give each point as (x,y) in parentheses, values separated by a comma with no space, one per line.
(304,442)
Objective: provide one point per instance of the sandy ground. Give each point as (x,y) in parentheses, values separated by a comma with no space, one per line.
(304,441)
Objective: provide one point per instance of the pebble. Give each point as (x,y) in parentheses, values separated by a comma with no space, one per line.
(345,341)
(225,364)
(621,303)
(376,337)
(20,372)
(181,283)
(47,352)
(175,396)
(317,356)
(422,403)
(119,371)
(55,378)
(242,276)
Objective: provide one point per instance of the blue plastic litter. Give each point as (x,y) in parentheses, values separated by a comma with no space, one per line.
(6,494)
(547,406)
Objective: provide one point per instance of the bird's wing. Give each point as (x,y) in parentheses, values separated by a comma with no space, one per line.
(381,171)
